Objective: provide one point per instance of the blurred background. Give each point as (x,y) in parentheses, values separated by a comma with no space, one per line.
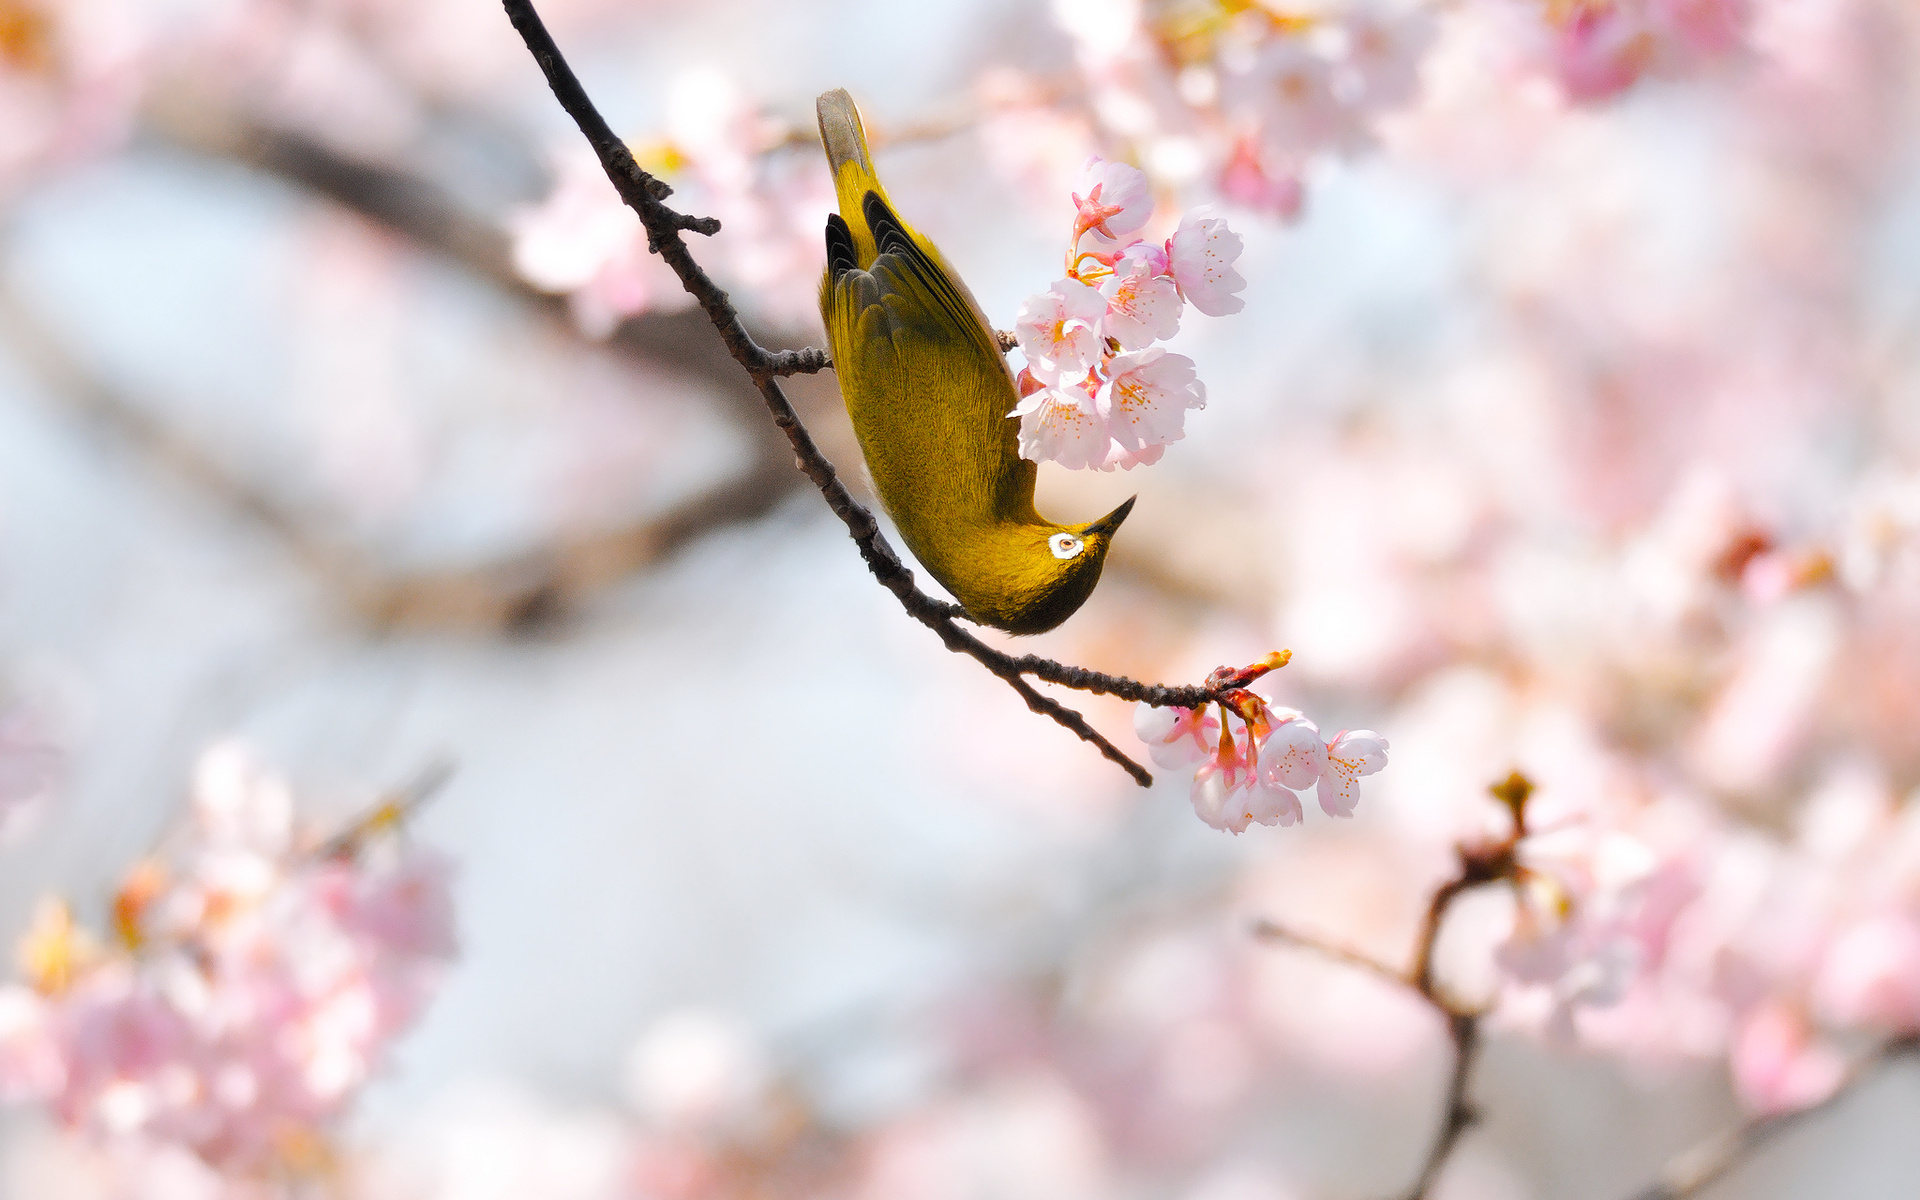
(1572,424)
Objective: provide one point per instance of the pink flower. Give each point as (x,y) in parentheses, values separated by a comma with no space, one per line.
(1270,804)
(31,1065)
(1214,801)
(1059,330)
(1145,402)
(1176,737)
(1351,754)
(1294,756)
(256,991)
(1780,1063)
(1063,424)
(1112,199)
(1245,180)
(1871,975)
(1705,26)
(1249,760)
(583,242)
(1602,50)
(1201,254)
(1385,51)
(1143,303)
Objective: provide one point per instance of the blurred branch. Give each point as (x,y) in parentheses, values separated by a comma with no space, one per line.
(646,195)
(1697,1169)
(1479,864)
(515,591)
(391,811)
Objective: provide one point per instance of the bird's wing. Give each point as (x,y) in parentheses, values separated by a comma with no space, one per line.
(926,384)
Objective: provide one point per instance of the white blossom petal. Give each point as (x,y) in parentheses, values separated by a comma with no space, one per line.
(1063,425)
(1201,254)
(1059,330)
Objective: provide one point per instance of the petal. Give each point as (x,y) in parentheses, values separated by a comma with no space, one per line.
(1271,805)
(1364,749)
(1295,756)
(1339,789)
(1147,395)
(1120,185)
(1210,797)
(1156,723)
(1062,425)
(1201,254)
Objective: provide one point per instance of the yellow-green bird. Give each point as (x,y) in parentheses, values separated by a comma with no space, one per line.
(929,393)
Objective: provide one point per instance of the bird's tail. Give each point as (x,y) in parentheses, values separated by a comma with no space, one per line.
(846,142)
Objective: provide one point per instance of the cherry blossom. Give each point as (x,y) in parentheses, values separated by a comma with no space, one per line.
(1059,330)
(1144,400)
(1177,737)
(1113,201)
(1063,424)
(249,990)
(1781,1063)
(1350,754)
(1098,341)
(1250,758)
(1143,301)
(1200,256)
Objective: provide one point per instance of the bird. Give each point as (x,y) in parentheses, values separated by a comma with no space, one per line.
(930,394)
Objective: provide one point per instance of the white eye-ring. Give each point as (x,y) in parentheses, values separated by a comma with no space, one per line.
(1065,545)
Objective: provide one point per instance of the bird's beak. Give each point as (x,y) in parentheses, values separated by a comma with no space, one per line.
(1107,524)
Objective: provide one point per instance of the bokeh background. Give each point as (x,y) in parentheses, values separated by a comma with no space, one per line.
(1572,423)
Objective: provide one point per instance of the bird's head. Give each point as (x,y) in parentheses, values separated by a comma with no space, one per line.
(1054,570)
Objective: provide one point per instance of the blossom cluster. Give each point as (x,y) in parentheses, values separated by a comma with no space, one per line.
(1676,933)
(248,987)
(1096,391)
(1602,47)
(1252,778)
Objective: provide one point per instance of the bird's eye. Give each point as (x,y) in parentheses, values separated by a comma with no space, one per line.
(1065,545)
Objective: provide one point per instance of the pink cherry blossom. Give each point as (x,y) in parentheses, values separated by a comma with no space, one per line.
(1143,303)
(1604,49)
(1112,199)
(1176,737)
(1351,754)
(1249,761)
(1059,330)
(1201,254)
(583,242)
(250,991)
(1870,974)
(1145,401)
(32,1066)
(1063,424)
(1269,803)
(1247,181)
(1781,1063)
(1214,795)
(1294,756)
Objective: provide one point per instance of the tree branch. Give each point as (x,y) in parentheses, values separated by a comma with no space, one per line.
(646,195)
(1480,864)
(1692,1172)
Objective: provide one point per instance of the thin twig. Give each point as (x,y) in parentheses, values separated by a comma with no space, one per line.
(646,196)
(391,811)
(1272,932)
(1480,864)
(1692,1172)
